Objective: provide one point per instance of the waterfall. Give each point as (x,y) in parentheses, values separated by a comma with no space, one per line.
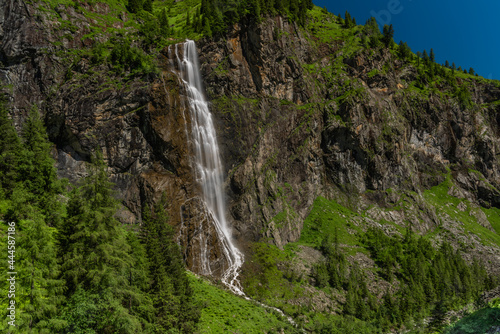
(208,169)
(207,165)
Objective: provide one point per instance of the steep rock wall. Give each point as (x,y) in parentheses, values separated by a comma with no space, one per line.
(295,127)
(292,126)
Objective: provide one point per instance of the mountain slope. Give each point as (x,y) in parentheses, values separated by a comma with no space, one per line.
(324,131)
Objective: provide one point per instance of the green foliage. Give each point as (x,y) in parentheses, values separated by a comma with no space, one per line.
(446,205)
(218,15)
(261,277)
(432,281)
(124,56)
(348,22)
(135,6)
(79,270)
(388,35)
(31,202)
(328,218)
(343,325)
(223,312)
(148,5)
(463,96)
(97,259)
(37,172)
(10,152)
(169,285)
(432,56)
(336,263)
(404,51)
(482,321)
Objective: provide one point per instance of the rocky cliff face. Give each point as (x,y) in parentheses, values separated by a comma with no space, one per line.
(295,127)
(297,118)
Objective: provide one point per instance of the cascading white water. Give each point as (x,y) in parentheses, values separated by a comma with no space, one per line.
(208,169)
(208,166)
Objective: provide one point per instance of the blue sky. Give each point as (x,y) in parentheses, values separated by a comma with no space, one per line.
(464,32)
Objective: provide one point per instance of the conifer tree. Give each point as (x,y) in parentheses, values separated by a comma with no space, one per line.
(403,50)
(419,56)
(198,26)
(172,295)
(388,34)
(254,9)
(148,5)
(432,57)
(348,20)
(206,27)
(40,291)
(37,169)
(96,261)
(33,193)
(134,6)
(10,152)
(293,9)
(163,20)
(425,57)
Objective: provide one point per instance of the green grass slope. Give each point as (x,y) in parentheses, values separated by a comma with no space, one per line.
(223,312)
(484,321)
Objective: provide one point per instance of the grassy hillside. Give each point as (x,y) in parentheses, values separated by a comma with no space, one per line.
(486,320)
(223,312)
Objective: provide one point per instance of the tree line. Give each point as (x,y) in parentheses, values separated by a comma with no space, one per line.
(431,280)
(78,269)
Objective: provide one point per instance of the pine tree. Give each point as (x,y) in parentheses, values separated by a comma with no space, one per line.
(96,260)
(432,57)
(279,6)
(134,6)
(40,291)
(198,27)
(426,58)
(348,20)
(37,169)
(148,5)
(388,34)
(471,71)
(254,9)
(447,64)
(293,9)
(206,27)
(172,295)
(163,20)
(32,191)
(403,50)
(10,152)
